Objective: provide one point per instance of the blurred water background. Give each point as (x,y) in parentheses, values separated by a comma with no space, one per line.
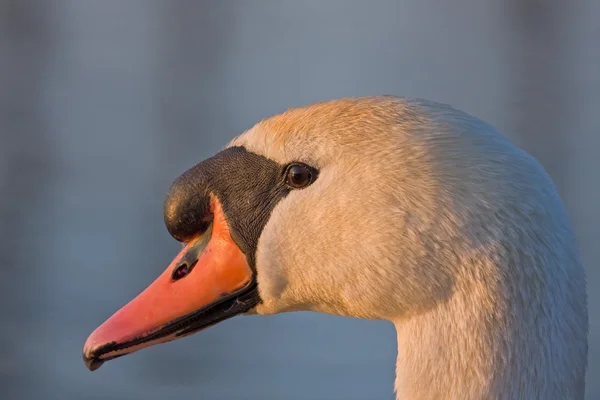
(104,103)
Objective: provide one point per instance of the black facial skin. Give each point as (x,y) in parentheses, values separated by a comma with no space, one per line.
(248,187)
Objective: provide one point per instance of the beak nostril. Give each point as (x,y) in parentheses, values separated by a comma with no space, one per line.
(182,270)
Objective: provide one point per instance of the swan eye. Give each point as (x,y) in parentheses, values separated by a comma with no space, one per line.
(299,176)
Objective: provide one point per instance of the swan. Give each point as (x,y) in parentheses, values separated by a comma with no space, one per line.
(383,208)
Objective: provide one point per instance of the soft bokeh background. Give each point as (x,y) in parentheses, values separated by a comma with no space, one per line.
(104,103)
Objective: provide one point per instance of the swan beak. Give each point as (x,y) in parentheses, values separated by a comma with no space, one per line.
(209,281)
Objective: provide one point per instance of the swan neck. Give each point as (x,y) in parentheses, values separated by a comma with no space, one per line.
(440,355)
(478,345)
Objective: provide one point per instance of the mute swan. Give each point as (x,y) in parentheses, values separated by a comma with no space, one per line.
(380,208)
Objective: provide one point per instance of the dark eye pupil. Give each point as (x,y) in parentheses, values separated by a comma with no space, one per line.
(299,176)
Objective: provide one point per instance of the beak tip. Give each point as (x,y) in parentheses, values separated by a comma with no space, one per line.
(89,359)
(92,363)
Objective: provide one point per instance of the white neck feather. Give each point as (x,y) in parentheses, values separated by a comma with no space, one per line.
(490,341)
(452,353)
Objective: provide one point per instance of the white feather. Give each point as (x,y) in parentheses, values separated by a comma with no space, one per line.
(427,217)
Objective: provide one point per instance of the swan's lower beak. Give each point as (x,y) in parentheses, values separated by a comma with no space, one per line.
(208,282)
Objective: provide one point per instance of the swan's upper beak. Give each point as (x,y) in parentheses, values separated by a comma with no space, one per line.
(208,281)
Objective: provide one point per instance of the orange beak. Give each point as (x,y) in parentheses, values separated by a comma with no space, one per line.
(207,282)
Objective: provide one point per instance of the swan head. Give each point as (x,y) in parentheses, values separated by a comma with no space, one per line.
(378,208)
